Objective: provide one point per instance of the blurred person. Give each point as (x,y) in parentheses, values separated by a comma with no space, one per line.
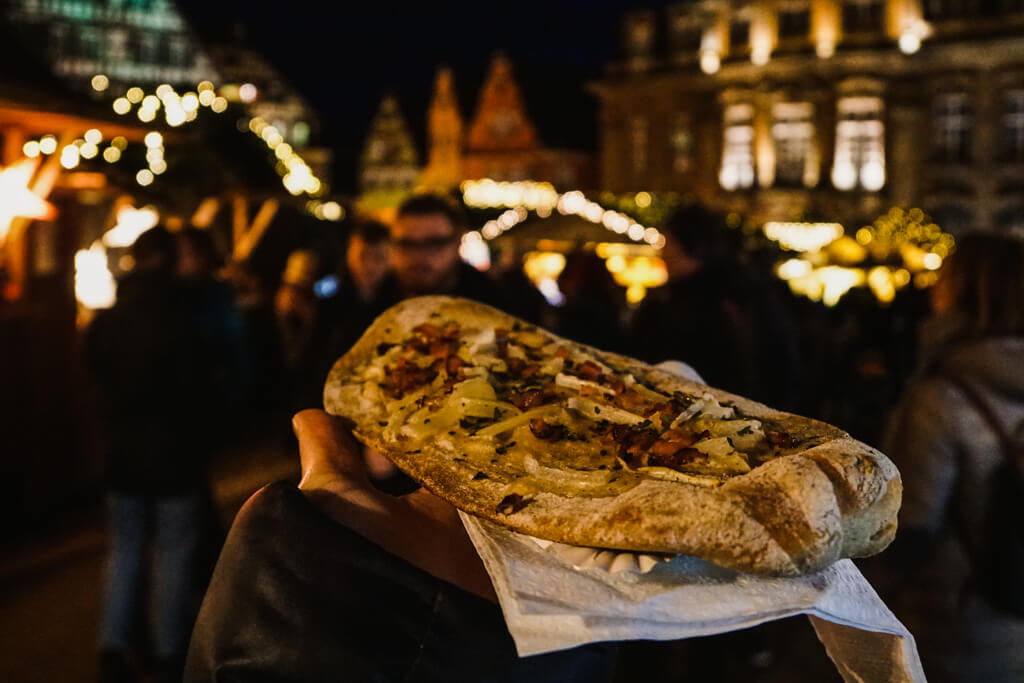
(945,437)
(297,317)
(221,324)
(590,312)
(717,314)
(359,585)
(425,258)
(358,299)
(524,300)
(146,358)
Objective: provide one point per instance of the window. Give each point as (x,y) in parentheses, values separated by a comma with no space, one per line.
(738,147)
(639,38)
(793,135)
(1010,219)
(685,32)
(117,45)
(178,51)
(794,23)
(681,144)
(739,34)
(1013,126)
(638,146)
(862,16)
(952,119)
(89,43)
(860,144)
(149,48)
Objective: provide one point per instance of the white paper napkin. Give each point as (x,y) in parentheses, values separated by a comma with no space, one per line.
(550,605)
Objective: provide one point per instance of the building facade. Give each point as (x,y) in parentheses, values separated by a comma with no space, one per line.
(131,42)
(823,109)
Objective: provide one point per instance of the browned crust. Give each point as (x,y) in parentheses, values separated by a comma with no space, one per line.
(797,513)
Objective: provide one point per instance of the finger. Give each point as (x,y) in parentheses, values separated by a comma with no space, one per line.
(328,452)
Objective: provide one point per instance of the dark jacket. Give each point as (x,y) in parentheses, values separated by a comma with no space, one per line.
(947,454)
(297,597)
(147,363)
(734,330)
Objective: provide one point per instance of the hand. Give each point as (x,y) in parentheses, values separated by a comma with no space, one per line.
(419,527)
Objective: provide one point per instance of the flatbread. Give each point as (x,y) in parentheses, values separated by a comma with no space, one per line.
(755,490)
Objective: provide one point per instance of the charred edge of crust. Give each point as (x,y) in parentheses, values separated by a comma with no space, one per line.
(782,518)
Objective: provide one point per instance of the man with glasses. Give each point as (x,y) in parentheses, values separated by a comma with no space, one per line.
(425,254)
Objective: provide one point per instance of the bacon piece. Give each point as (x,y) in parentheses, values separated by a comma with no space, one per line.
(675,457)
(639,442)
(547,432)
(781,439)
(631,400)
(614,382)
(589,370)
(406,376)
(443,348)
(562,352)
(532,398)
(453,365)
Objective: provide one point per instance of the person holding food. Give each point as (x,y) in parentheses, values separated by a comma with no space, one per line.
(522,431)
(951,436)
(337,580)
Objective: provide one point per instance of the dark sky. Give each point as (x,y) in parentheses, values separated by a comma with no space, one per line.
(345,58)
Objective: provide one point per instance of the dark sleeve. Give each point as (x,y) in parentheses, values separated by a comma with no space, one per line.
(297,597)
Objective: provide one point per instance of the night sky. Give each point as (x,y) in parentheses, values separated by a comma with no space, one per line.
(342,60)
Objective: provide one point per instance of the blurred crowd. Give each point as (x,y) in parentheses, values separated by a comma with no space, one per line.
(193,348)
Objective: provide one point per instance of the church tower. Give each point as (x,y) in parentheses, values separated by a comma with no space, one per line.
(501,124)
(444,134)
(389,163)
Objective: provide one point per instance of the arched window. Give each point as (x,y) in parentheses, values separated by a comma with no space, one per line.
(860,144)
(737,170)
(952,123)
(793,136)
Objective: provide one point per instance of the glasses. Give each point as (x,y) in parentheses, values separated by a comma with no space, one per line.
(426,244)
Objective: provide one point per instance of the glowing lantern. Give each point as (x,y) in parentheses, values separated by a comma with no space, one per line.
(16,200)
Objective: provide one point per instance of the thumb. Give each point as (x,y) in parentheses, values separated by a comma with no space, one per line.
(329,455)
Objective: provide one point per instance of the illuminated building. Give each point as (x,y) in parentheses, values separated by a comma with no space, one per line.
(128,42)
(838,108)
(390,164)
(445,132)
(500,143)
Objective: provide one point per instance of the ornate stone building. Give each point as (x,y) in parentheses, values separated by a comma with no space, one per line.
(823,108)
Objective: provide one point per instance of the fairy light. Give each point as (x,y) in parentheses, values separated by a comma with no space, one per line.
(69,157)
(48,144)
(100,82)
